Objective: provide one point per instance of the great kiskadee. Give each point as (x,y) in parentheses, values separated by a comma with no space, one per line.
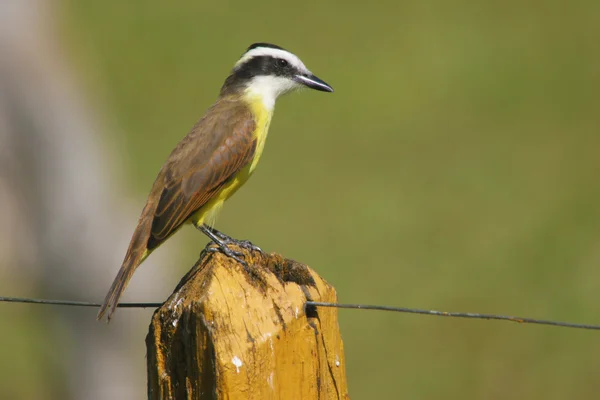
(215,158)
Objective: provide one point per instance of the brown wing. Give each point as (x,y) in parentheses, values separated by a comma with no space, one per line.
(218,146)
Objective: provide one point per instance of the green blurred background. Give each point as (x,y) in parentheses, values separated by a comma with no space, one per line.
(455,167)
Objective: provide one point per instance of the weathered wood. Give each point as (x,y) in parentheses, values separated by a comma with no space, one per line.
(229,334)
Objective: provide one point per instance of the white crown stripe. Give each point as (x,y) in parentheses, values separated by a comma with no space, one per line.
(277,53)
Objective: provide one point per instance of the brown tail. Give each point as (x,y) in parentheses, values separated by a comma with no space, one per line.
(132,260)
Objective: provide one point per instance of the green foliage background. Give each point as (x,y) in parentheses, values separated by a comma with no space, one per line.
(455,167)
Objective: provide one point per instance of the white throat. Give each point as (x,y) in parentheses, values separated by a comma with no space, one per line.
(268,88)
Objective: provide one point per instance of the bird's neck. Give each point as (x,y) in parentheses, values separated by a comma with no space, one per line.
(260,98)
(262,104)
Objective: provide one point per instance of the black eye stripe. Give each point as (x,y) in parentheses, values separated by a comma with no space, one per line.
(260,65)
(264,65)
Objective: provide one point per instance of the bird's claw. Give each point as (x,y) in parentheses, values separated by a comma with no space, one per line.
(248,245)
(225,249)
(227,240)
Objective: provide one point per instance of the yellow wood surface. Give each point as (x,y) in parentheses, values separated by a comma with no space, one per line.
(228,334)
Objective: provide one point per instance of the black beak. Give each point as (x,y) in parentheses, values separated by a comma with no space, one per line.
(313,82)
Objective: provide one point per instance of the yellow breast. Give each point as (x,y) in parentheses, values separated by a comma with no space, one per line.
(262,116)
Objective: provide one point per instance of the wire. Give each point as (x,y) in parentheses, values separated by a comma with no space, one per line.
(74,303)
(520,320)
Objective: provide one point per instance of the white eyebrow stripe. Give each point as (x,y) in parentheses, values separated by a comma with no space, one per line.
(277,53)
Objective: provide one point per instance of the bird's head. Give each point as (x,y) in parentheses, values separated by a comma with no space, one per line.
(268,71)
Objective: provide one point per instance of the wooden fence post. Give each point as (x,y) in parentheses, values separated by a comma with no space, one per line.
(228,334)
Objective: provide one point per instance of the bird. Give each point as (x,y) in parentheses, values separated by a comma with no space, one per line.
(215,158)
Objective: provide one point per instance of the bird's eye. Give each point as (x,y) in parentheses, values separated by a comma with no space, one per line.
(282,63)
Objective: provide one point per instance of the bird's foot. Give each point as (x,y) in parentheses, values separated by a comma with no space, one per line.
(225,249)
(222,243)
(245,244)
(236,255)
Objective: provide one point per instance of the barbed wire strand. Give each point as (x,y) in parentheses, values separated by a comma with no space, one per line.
(520,320)
(75,303)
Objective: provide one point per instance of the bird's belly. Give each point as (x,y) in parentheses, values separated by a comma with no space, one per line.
(209,212)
